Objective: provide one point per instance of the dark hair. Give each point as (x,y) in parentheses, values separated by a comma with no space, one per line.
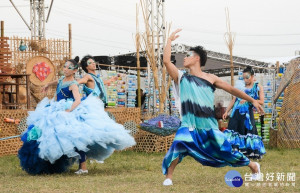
(249,69)
(74,62)
(137,90)
(202,53)
(84,60)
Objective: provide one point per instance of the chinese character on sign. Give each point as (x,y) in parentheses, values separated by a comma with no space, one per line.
(291,177)
(287,184)
(281,184)
(258,184)
(261,177)
(294,184)
(275,184)
(270,177)
(280,176)
(247,184)
(248,177)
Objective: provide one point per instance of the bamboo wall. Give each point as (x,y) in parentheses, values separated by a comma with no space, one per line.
(288,133)
(58,51)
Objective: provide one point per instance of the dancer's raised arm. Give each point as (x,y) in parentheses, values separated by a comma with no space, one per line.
(171,68)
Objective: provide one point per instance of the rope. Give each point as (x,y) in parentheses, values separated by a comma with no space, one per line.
(9,137)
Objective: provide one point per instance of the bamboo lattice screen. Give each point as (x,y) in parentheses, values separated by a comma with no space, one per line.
(56,50)
(288,133)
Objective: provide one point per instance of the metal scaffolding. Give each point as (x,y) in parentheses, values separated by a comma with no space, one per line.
(37,24)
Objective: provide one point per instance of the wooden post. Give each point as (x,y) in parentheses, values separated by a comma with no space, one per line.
(231,68)
(27,92)
(277,66)
(70,41)
(2,29)
(17,90)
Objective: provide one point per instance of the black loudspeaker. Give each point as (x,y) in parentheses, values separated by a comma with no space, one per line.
(173,59)
(103,60)
(143,62)
(129,61)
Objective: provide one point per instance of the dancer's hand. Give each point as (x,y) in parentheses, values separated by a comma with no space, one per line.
(258,107)
(68,110)
(45,88)
(225,115)
(173,35)
(242,101)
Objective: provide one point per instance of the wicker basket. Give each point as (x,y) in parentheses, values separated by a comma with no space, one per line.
(148,142)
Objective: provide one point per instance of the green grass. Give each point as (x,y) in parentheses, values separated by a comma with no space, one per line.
(129,171)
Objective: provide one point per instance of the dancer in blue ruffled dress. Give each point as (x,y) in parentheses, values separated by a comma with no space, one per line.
(61,130)
(199,135)
(242,131)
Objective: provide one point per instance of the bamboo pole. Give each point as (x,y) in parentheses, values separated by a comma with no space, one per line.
(70,41)
(137,42)
(229,38)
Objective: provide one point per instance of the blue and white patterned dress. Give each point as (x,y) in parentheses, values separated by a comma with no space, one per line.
(199,135)
(242,131)
(99,89)
(54,137)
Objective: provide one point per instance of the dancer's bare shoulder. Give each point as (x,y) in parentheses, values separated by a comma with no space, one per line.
(210,77)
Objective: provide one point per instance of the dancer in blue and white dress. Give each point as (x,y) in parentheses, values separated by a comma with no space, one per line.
(92,85)
(199,135)
(62,130)
(242,131)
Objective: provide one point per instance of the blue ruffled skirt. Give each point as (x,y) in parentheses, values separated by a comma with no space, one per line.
(250,145)
(54,136)
(243,136)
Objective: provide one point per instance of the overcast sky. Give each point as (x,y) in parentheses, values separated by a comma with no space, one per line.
(264,28)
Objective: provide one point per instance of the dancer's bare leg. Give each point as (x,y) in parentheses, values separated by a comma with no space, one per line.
(253,167)
(171,168)
(83,166)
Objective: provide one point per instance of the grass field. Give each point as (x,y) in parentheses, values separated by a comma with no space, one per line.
(129,171)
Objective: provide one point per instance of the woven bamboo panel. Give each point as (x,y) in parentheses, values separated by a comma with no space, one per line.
(288,135)
(10,146)
(148,142)
(56,50)
(132,127)
(124,115)
(10,129)
(129,117)
(289,72)
(273,138)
